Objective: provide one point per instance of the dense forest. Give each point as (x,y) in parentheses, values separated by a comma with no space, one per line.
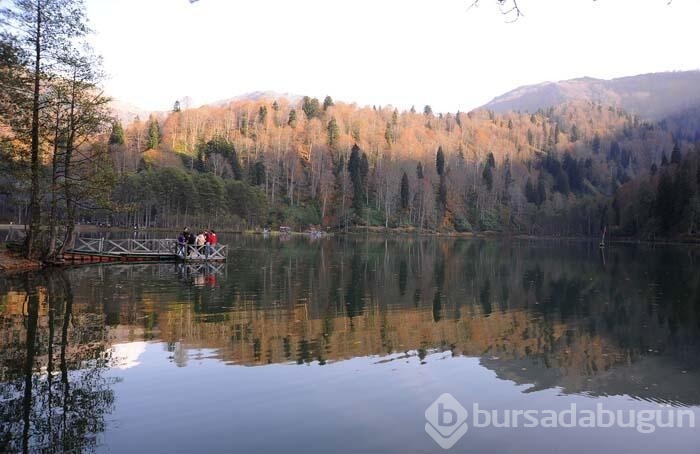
(574,168)
(568,170)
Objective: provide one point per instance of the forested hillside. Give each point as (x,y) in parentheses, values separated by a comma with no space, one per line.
(567,170)
(588,154)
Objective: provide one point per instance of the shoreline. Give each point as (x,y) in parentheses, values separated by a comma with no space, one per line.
(693,241)
(12,262)
(402,231)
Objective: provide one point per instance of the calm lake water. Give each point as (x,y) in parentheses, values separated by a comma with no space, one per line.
(342,344)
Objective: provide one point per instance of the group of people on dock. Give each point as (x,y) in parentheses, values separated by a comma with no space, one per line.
(190,245)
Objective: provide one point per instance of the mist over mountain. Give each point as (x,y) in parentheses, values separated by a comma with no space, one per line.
(651,96)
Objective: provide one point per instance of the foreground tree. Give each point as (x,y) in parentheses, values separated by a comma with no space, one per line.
(44,30)
(86,178)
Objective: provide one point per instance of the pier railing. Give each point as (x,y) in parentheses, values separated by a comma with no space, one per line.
(129,246)
(148,247)
(206,252)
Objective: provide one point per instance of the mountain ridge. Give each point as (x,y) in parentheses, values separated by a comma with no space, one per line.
(256,96)
(652,96)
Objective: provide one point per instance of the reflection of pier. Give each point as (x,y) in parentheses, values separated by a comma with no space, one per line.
(141,250)
(201,273)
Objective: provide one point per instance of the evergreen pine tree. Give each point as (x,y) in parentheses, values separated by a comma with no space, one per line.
(676,154)
(235,164)
(200,165)
(487,176)
(258,173)
(116,137)
(292,121)
(404,191)
(490,160)
(442,194)
(311,107)
(364,168)
(530,193)
(541,190)
(440,161)
(333,133)
(355,171)
(388,134)
(262,115)
(327,102)
(573,136)
(595,144)
(153,139)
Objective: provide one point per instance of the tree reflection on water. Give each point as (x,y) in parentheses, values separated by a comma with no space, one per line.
(54,391)
(544,315)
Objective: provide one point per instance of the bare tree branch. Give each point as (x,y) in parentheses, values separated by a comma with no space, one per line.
(509,8)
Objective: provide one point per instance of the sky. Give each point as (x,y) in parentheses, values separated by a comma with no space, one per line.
(441,53)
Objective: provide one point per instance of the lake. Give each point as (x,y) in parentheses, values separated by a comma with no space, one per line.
(351,345)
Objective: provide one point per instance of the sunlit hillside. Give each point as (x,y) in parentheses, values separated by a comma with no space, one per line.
(568,169)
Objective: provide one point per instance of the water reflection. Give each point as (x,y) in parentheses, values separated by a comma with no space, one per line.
(53,387)
(549,315)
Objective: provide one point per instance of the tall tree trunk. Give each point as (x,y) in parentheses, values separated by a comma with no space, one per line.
(53,221)
(67,167)
(35,208)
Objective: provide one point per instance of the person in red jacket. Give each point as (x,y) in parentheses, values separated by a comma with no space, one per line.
(212,239)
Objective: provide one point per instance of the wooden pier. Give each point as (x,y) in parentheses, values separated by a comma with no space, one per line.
(98,250)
